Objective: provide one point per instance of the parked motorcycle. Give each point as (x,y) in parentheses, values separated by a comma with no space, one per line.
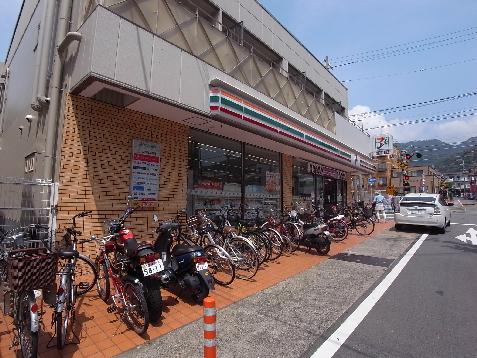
(184,265)
(143,263)
(316,236)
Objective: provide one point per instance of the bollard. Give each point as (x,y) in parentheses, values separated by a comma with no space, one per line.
(210,348)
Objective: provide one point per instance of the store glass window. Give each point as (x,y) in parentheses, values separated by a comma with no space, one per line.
(215,172)
(262,180)
(303,190)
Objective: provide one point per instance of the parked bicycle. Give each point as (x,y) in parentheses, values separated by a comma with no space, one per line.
(68,289)
(28,265)
(128,298)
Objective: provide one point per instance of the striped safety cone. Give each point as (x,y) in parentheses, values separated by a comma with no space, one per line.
(210,348)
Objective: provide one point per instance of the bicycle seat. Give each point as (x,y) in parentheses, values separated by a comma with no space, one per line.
(166,226)
(68,254)
(181,249)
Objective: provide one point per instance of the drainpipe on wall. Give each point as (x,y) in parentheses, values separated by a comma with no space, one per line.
(39,101)
(56,92)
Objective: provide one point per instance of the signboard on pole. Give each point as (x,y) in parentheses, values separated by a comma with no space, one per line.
(383,145)
(145,165)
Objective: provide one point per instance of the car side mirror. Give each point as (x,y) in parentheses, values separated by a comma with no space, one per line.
(155,218)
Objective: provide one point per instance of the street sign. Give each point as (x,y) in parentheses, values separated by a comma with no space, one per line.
(372,180)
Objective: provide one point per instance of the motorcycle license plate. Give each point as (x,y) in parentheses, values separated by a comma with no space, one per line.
(203,266)
(150,268)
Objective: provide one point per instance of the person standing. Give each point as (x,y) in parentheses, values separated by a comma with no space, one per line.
(379,201)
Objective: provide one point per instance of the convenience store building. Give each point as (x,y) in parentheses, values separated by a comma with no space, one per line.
(192,104)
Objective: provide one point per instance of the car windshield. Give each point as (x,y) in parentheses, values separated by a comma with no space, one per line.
(419,199)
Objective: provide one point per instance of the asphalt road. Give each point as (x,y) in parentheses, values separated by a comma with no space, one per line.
(430,310)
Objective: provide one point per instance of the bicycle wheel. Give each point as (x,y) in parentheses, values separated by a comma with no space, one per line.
(260,245)
(62,321)
(275,243)
(102,283)
(364,227)
(136,312)
(220,265)
(85,270)
(338,230)
(244,257)
(294,235)
(28,339)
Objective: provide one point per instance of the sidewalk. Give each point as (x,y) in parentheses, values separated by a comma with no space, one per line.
(104,335)
(284,320)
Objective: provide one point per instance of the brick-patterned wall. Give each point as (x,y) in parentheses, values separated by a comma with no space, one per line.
(287,169)
(95,165)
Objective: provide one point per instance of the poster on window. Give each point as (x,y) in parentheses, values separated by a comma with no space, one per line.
(272,182)
(146,162)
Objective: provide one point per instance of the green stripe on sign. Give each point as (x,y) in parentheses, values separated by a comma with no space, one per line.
(231,104)
(273,122)
(214,99)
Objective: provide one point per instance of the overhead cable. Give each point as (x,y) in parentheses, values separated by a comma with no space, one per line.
(405,107)
(459,114)
(360,54)
(400,53)
(420,70)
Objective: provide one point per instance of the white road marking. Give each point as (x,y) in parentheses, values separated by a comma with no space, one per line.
(469,224)
(469,240)
(456,224)
(342,333)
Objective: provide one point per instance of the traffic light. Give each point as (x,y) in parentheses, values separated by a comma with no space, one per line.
(406,178)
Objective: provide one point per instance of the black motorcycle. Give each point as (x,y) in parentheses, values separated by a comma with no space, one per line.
(185,265)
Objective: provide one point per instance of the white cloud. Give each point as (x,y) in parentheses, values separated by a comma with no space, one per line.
(448,131)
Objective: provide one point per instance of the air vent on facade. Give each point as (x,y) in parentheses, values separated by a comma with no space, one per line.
(115,98)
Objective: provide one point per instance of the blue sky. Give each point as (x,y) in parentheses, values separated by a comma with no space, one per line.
(337,28)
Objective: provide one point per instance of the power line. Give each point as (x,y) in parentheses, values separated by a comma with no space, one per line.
(459,114)
(387,55)
(405,107)
(359,54)
(420,70)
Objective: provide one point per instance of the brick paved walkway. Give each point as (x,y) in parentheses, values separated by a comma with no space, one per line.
(103,335)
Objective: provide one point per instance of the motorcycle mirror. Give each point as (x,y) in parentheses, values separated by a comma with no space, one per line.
(155,218)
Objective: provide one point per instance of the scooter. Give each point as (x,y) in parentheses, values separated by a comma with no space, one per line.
(316,236)
(184,265)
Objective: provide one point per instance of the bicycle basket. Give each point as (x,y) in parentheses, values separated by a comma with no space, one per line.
(31,269)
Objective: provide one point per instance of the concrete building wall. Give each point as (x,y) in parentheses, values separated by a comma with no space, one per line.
(115,50)
(264,26)
(95,165)
(19,137)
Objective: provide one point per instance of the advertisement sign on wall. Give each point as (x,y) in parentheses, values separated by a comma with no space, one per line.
(272,182)
(383,145)
(146,162)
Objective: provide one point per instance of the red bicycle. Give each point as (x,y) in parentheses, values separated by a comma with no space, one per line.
(128,298)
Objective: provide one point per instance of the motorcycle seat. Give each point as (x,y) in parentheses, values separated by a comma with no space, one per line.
(185,249)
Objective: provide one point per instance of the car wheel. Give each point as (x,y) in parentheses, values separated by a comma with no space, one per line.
(448,223)
(442,230)
(398,227)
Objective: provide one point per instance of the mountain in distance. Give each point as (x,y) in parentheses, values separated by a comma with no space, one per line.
(445,157)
